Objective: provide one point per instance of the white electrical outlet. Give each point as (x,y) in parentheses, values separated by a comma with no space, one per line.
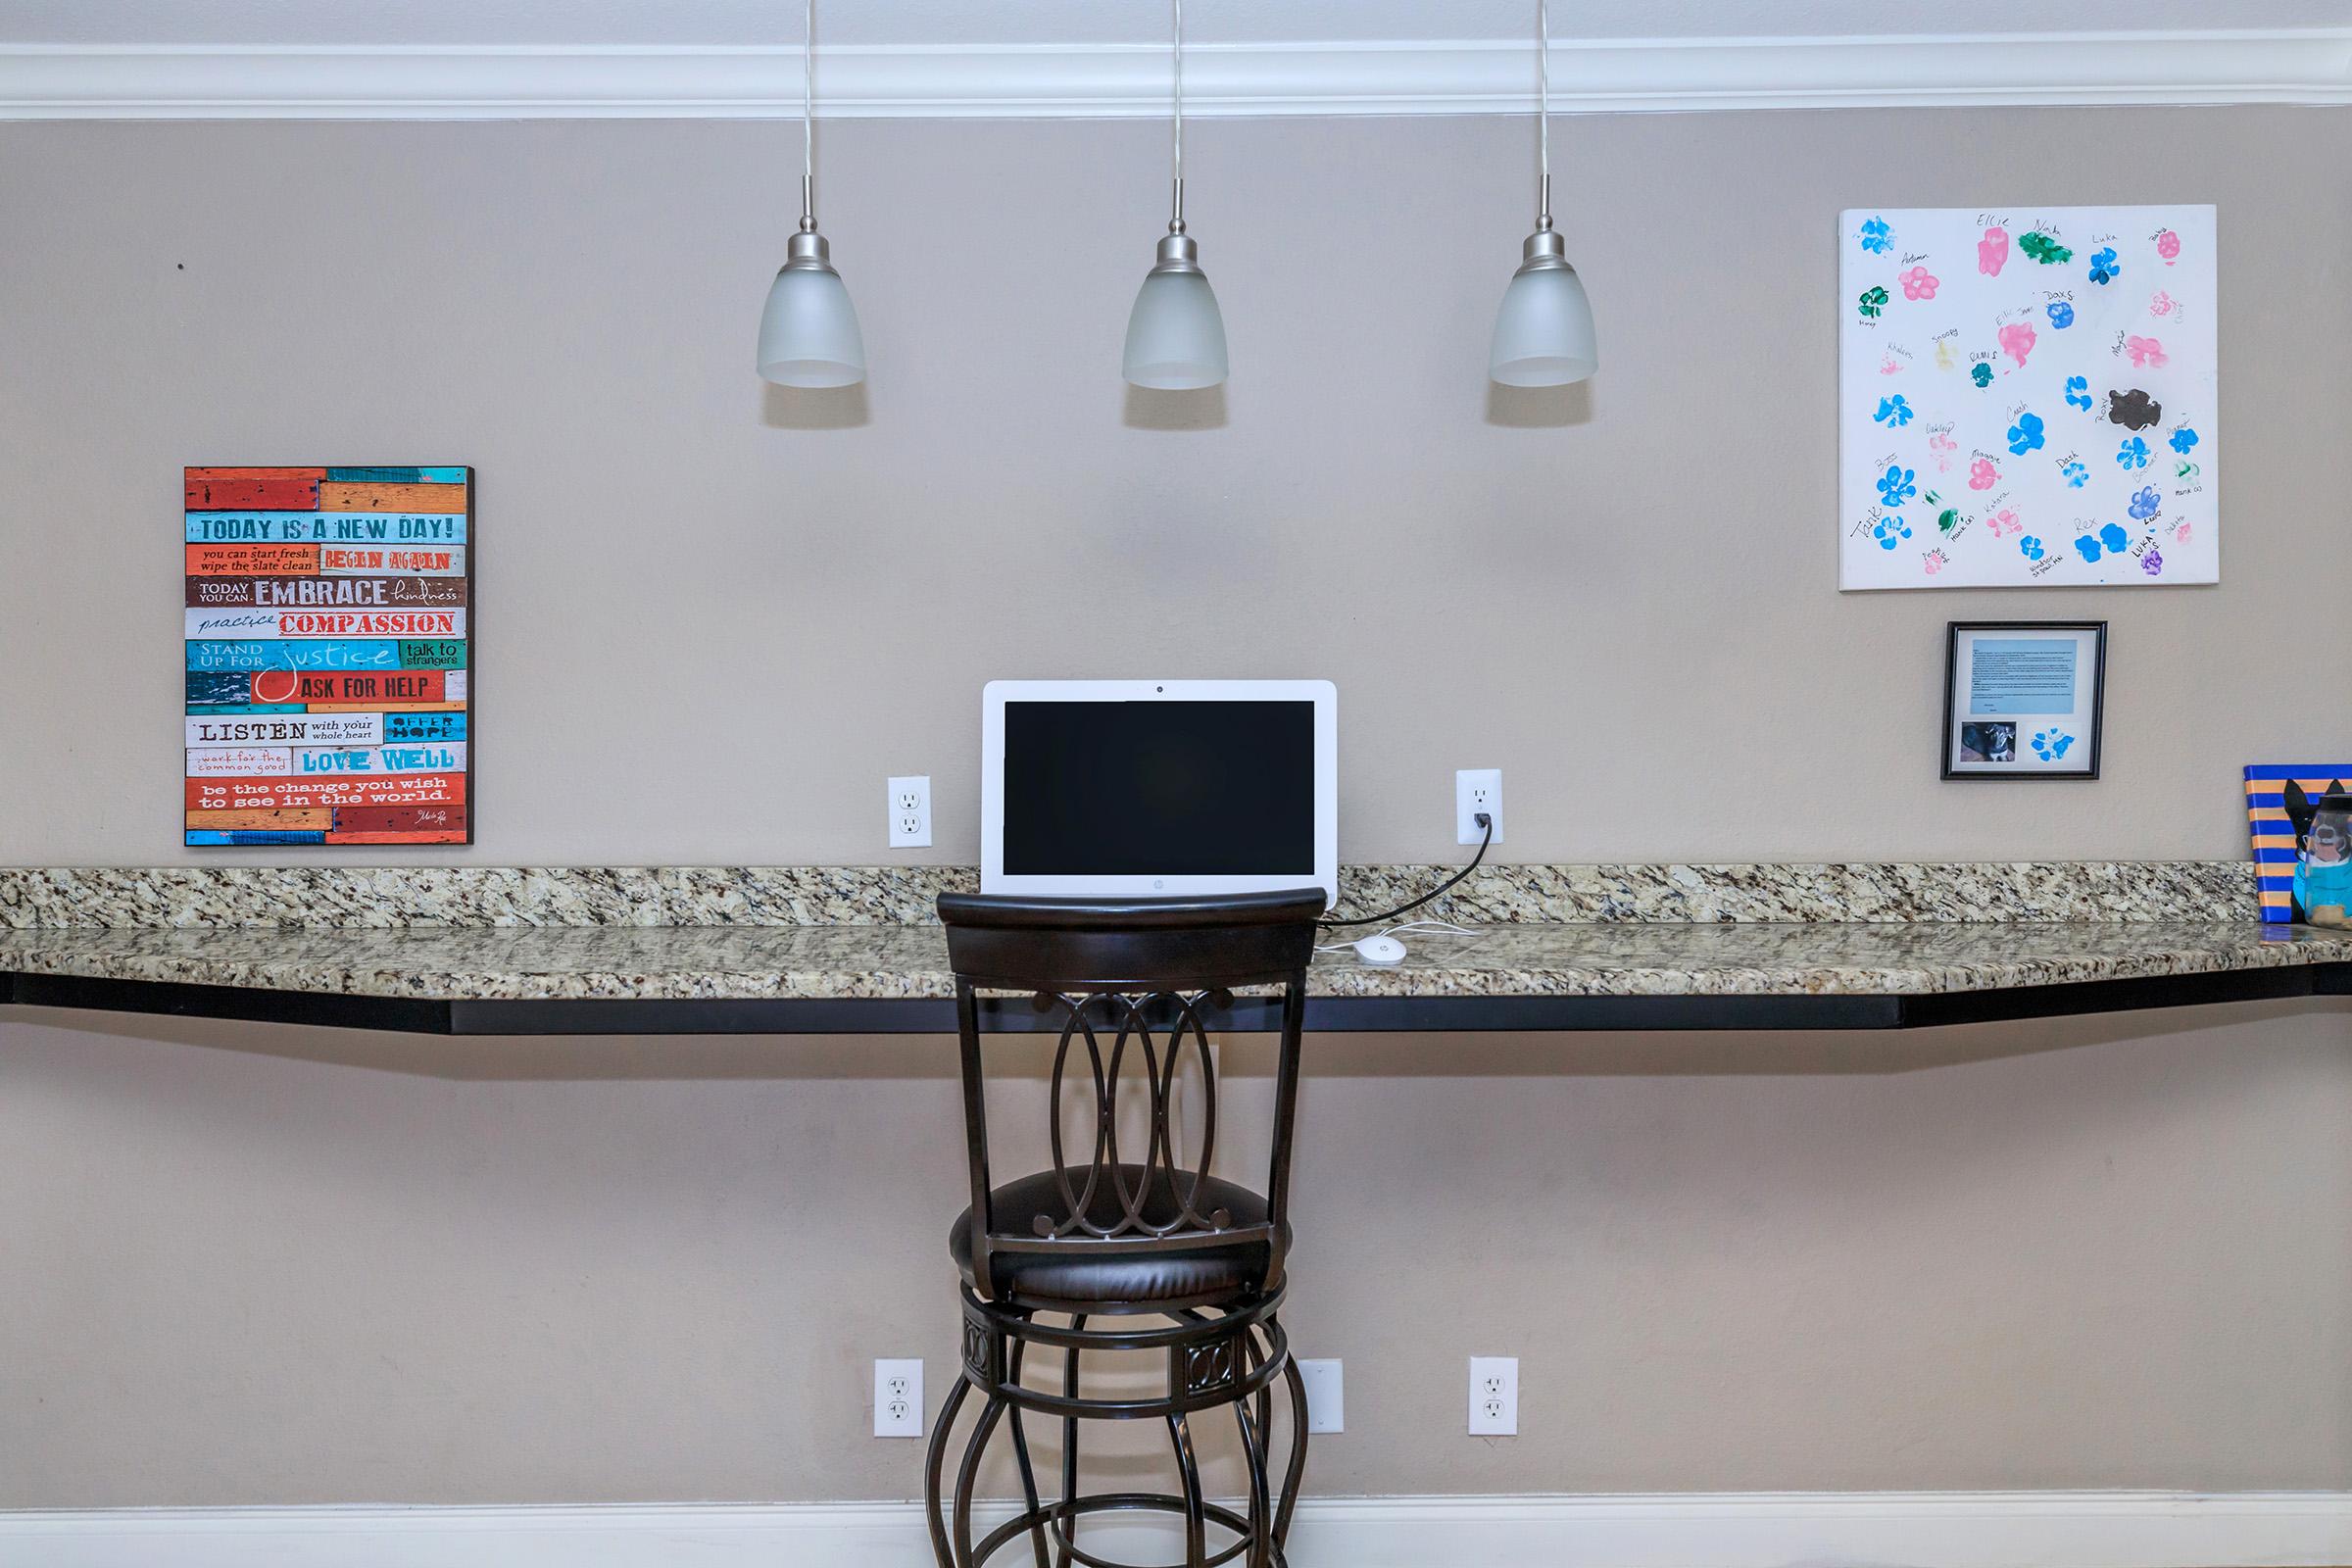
(1326,1400)
(911,813)
(1493,1397)
(897,1398)
(1475,790)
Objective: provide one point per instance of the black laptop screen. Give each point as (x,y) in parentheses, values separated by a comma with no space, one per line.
(1160,789)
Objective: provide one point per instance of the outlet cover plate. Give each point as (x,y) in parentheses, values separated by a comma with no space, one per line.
(1493,1397)
(910,812)
(897,1398)
(1326,1398)
(1475,790)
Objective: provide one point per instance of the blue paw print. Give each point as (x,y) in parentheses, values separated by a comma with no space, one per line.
(2051,744)
(1876,236)
(2132,454)
(2183,439)
(2031,547)
(2112,536)
(1980,374)
(2078,391)
(2061,314)
(2146,502)
(1893,411)
(1895,485)
(2076,474)
(1889,532)
(2026,434)
(2103,265)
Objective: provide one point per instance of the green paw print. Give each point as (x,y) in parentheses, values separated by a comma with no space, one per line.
(1873,303)
(1980,374)
(2045,250)
(1947,519)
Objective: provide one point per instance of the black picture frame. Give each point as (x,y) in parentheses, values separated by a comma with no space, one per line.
(1952,717)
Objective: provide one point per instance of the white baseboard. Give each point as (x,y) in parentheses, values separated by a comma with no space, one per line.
(1767,1529)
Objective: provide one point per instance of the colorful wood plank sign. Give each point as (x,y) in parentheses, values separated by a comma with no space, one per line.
(329,656)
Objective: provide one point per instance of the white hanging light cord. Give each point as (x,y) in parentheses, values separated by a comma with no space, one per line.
(1178,7)
(1544,110)
(809,120)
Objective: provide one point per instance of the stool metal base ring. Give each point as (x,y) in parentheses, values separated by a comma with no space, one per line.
(1054,1514)
(1242,1386)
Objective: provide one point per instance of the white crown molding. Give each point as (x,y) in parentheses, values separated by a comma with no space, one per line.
(1922,1530)
(60,81)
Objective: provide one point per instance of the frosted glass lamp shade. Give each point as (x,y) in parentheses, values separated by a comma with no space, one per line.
(1543,334)
(1176,334)
(809,333)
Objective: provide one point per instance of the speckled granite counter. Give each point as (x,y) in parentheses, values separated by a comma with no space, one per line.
(894,978)
(392,897)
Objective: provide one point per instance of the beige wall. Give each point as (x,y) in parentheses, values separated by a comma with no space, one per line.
(258,1265)
(710,630)
(250,1264)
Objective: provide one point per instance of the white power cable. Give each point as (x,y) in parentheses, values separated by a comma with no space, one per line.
(1443,927)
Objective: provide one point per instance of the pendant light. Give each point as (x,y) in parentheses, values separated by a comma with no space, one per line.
(1176,335)
(809,333)
(1543,334)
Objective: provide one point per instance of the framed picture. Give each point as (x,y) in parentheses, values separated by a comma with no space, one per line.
(2021,699)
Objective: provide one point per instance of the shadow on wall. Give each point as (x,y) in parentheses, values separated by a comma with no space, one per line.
(1200,409)
(1539,407)
(793,407)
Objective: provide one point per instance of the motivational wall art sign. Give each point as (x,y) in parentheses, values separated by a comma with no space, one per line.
(2025,397)
(328,640)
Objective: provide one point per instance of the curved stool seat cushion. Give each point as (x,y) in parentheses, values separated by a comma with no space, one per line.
(1081,1273)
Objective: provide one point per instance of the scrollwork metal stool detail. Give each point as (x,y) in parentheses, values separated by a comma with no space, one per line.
(1102,1254)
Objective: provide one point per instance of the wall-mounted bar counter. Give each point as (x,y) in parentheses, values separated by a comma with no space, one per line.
(784,951)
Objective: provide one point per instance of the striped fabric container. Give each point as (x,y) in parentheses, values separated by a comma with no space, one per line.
(2274,827)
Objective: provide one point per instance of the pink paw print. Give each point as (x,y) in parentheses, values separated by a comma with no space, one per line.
(1943,446)
(1983,476)
(2004,523)
(1935,561)
(2167,246)
(2146,351)
(2017,341)
(2160,304)
(2180,533)
(1918,283)
(1993,251)
(1890,366)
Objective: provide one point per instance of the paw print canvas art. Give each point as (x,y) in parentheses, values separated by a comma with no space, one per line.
(2034,353)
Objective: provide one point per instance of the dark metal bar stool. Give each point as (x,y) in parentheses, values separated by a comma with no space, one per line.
(1179,1261)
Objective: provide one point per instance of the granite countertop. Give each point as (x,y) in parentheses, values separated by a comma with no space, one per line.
(855,961)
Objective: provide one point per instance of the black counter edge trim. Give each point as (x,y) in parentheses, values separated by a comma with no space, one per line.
(1247,1015)
(707,1015)
(1332,1014)
(251,1005)
(2070,999)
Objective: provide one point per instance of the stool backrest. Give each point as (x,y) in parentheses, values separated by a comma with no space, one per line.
(1135,975)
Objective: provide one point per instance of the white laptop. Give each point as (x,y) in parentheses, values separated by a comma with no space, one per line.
(1105,789)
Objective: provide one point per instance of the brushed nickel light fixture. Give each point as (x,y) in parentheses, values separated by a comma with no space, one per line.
(1175,334)
(1543,334)
(809,333)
